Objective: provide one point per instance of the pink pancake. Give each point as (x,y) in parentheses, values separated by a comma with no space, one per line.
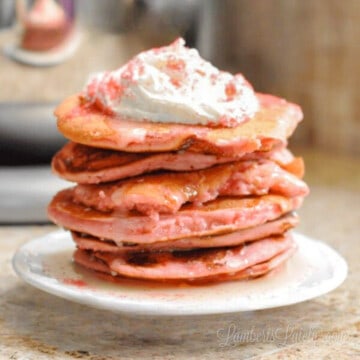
(270,228)
(244,261)
(218,216)
(88,165)
(167,192)
(269,128)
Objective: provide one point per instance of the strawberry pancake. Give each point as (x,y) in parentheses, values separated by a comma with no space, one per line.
(218,216)
(182,172)
(88,165)
(170,99)
(82,122)
(167,192)
(275,227)
(238,262)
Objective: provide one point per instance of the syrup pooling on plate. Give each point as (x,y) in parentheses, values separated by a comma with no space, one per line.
(173,84)
(45,262)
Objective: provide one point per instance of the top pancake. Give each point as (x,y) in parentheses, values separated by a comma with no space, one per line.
(86,124)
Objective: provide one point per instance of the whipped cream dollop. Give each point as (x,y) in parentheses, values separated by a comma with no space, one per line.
(173,84)
(46,12)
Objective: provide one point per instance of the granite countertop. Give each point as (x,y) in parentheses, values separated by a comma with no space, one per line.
(36,325)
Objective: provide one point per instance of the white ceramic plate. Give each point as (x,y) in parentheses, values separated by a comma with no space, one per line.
(25,192)
(45,58)
(46,263)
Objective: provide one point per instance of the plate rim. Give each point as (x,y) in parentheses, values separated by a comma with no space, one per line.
(151,306)
(47,58)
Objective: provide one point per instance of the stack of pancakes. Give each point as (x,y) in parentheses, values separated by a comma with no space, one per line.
(179,203)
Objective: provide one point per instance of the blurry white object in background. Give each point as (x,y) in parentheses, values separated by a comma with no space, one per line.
(45,58)
(25,193)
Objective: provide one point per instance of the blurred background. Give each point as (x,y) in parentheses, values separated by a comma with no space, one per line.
(305,51)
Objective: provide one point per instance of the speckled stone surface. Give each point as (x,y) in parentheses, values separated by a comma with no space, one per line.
(35,325)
